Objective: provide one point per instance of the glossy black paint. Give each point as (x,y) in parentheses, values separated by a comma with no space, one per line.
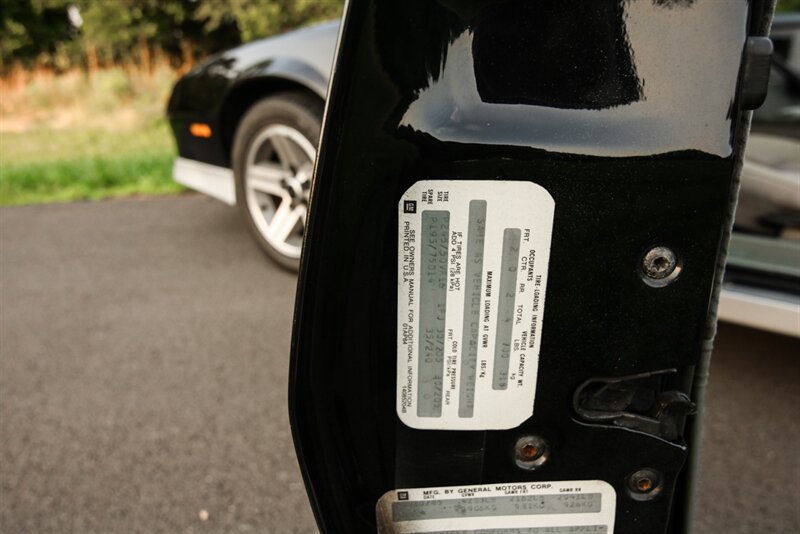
(601,320)
(219,90)
(540,38)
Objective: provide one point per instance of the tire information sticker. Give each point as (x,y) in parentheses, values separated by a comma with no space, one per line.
(568,507)
(472,274)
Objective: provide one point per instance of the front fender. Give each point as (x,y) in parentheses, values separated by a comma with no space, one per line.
(293,70)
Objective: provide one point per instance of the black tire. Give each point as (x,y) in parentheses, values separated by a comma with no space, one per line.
(297,110)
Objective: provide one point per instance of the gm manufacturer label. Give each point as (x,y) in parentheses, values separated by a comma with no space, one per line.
(472,276)
(568,507)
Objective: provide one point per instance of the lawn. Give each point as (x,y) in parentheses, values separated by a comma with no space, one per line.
(46,165)
(67,139)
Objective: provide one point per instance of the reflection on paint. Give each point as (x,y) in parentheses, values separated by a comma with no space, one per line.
(686,54)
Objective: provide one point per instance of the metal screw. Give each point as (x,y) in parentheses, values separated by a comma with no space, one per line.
(660,266)
(530,452)
(644,484)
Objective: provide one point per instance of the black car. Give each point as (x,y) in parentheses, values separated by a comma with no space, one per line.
(247,123)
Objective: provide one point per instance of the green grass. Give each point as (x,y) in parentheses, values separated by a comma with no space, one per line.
(46,165)
(77,136)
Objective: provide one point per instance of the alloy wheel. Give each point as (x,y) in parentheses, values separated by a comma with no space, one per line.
(277,181)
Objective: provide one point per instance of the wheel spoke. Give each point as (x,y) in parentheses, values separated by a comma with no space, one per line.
(288,153)
(277,177)
(266,178)
(285,220)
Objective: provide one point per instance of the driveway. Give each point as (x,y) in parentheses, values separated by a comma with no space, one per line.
(143,374)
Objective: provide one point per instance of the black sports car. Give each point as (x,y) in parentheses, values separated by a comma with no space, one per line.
(247,123)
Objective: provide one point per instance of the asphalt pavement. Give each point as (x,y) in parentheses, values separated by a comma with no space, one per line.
(143,376)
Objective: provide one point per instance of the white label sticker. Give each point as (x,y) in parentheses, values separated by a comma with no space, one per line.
(567,507)
(472,274)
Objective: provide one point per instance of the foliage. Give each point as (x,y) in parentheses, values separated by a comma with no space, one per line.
(258,18)
(787,5)
(28,29)
(63,33)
